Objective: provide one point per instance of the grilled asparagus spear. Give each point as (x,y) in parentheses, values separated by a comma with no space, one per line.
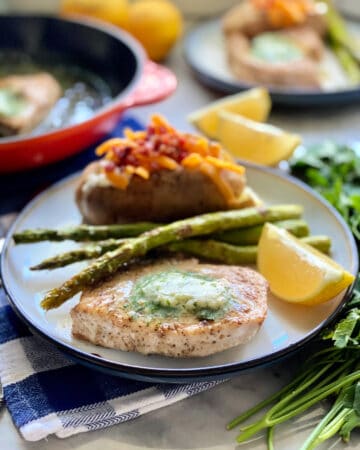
(88,252)
(82,233)
(233,254)
(242,236)
(209,249)
(204,224)
(251,235)
(341,43)
(95,233)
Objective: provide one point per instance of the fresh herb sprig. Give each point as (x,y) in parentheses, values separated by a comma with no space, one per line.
(334,171)
(332,372)
(346,332)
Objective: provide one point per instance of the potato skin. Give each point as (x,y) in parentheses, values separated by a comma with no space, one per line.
(166,196)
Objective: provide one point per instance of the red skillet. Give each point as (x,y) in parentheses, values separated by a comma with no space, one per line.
(116,57)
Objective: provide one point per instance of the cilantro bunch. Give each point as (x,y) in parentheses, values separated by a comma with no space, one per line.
(333,170)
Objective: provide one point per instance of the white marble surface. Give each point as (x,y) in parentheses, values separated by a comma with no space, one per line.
(199,422)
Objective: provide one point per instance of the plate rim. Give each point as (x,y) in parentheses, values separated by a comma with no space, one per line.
(299,97)
(176,374)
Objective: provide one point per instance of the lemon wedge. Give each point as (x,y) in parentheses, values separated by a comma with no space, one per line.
(255,142)
(254,104)
(296,272)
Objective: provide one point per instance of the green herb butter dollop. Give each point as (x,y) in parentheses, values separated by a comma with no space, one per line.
(274,48)
(11,103)
(175,293)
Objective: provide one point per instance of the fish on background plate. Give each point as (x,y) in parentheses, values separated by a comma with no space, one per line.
(259,43)
(286,328)
(266,43)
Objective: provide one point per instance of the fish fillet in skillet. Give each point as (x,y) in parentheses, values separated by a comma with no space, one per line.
(25,100)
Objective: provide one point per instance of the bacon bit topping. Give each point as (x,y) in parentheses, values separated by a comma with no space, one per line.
(286,13)
(161,147)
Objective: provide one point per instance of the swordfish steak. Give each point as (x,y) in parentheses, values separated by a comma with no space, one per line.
(177,308)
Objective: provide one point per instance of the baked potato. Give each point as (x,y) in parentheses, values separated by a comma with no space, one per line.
(164,197)
(161,194)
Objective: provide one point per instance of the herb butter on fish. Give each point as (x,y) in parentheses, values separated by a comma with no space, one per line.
(178,308)
(175,293)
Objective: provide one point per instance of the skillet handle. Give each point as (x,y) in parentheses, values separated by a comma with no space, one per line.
(156,83)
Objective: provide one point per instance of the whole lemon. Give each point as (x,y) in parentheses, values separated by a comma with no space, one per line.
(157,24)
(113,11)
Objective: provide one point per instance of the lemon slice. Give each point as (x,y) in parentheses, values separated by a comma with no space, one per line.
(254,104)
(296,272)
(255,142)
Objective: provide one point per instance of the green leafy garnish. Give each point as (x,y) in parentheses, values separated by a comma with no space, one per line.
(334,171)
(345,328)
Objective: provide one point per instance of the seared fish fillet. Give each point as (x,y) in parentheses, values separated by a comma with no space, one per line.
(300,73)
(244,22)
(38,93)
(103,318)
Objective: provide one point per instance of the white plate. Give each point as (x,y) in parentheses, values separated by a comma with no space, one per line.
(206,54)
(286,328)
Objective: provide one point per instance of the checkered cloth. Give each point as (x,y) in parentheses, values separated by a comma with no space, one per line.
(45,392)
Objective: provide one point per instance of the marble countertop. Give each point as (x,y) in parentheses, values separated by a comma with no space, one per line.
(199,422)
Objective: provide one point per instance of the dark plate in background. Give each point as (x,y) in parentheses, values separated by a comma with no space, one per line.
(205,53)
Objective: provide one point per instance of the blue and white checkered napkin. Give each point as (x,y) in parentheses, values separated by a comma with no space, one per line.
(46,393)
